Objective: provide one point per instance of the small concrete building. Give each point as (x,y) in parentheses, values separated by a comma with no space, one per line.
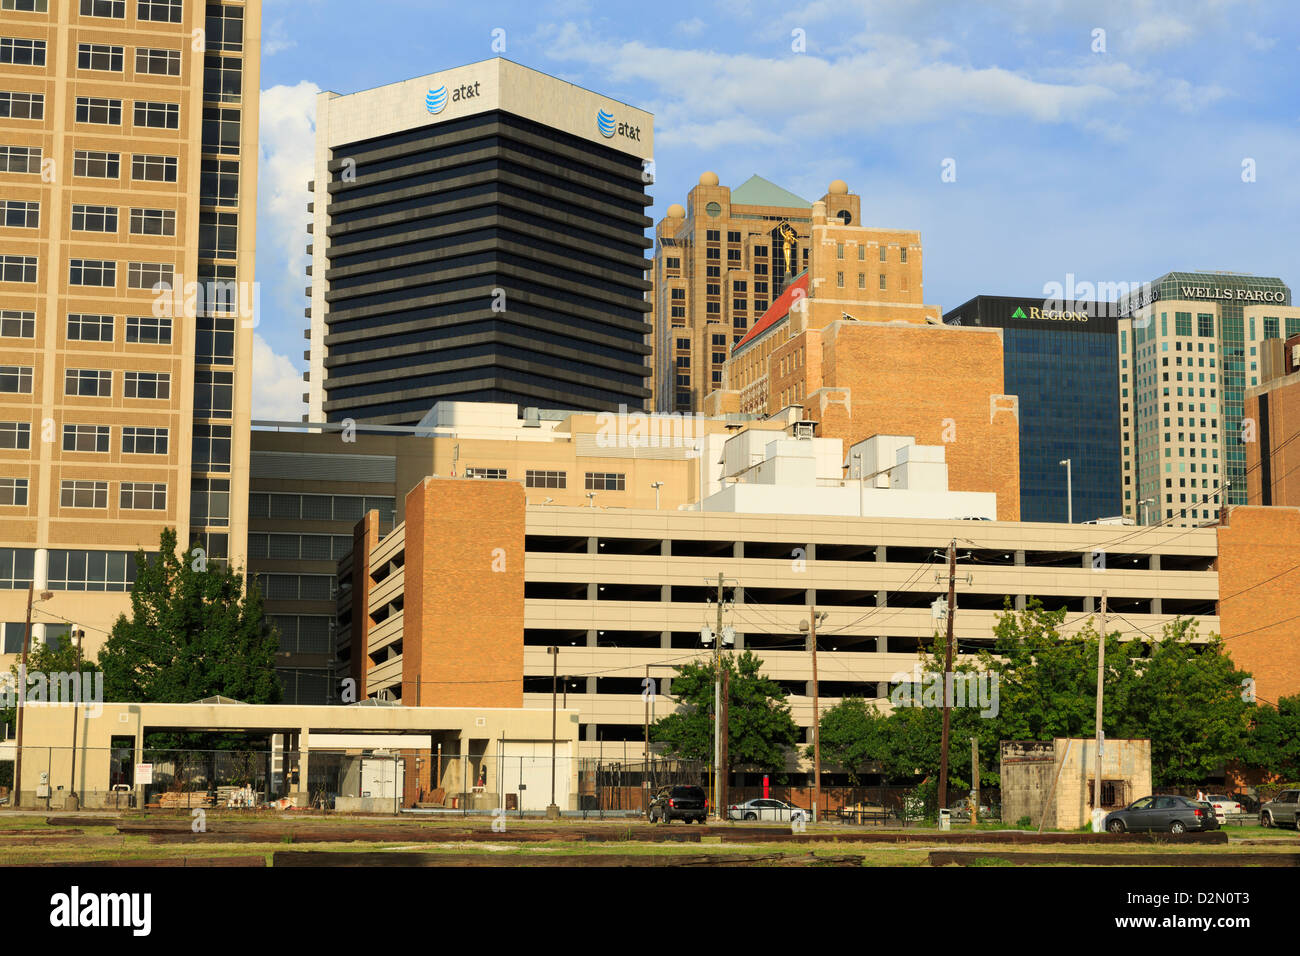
(1051,782)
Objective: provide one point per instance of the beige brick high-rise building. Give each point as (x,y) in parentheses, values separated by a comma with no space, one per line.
(128,172)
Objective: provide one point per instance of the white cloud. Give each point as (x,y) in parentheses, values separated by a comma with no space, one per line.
(287,149)
(690,27)
(277,386)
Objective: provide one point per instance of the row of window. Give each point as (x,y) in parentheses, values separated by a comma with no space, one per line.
(134,495)
(156,11)
(25,214)
(97,164)
(19,51)
(299,547)
(69,570)
(96,273)
(595,480)
(97,383)
(140,329)
(136,440)
(95,110)
(318,507)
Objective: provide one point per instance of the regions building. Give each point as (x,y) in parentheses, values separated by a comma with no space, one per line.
(478,235)
(1063,364)
(128,187)
(1190,347)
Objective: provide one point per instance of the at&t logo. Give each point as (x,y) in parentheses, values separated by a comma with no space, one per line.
(609,128)
(436,100)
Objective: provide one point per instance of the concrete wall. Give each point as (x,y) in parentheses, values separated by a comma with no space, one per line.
(1029,769)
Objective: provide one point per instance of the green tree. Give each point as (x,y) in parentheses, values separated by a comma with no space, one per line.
(760,728)
(1187,699)
(852,734)
(1274,741)
(194,632)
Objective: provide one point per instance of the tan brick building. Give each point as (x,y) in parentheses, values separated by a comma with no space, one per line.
(1259,571)
(1272,414)
(128,171)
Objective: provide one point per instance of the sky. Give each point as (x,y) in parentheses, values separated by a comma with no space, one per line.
(1028,140)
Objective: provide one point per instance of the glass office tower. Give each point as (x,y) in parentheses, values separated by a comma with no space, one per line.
(1063,366)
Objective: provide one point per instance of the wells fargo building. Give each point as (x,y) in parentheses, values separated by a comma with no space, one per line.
(128,164)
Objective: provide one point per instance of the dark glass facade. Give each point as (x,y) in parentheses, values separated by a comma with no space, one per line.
(1064,369)
(485,258)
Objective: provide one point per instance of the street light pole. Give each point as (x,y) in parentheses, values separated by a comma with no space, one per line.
(553,811)
(22,694)
(1069,489)
(810,626)
(656,485)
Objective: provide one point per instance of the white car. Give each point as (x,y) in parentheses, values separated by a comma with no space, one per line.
(1223,805)
(771,811)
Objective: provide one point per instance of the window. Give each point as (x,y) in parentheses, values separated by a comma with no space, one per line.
(94,382)
(144,441)
(160,11)
(862,280)
(94,218)
(546,479)
(149,275)
(497,474)
(16,566)
(157,169)
(839,280)
(86,438)
(17,268)
(882,253)
(158,62)
(210,503)
(214,394)
(16,436)
(214,340)
(902,253)
(25,6)
(882,282)
(220,130)
(22,105)
(94,164)
(605,481)
(16,379)
(91,571)
(153,222)
(22,52)
(99,56)
(143,496)
(115,9)
(219,184)
(157,115)
(81,494)
(156,385)
(94,272)
(222,77)
(90,328)
(17,325)
(211,450)
(218,235)
(149,330)
(20,159)
(100,110)
(13,492)
(225,27)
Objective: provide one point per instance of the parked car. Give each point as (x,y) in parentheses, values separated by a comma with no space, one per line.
(680,802)
(1249,802)
(1223,805)
(773,811)
(1282,811)
(1166,813)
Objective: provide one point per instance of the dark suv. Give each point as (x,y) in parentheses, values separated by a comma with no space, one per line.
(679,803)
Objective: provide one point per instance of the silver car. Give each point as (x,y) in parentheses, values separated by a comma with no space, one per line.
(771,811)
(1282,811)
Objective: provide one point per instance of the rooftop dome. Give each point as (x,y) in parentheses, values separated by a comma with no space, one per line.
(838,188)
(709,179)
(675,211)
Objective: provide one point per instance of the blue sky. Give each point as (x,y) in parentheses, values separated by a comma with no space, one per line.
(1112,156)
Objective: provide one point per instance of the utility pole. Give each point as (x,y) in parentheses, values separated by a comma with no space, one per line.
(975,779)
(1101,673)
(1069,489)
(726,704)
(22,694)
(72,802)
(810,626)
(717,705)
(553,811)
(947,675)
